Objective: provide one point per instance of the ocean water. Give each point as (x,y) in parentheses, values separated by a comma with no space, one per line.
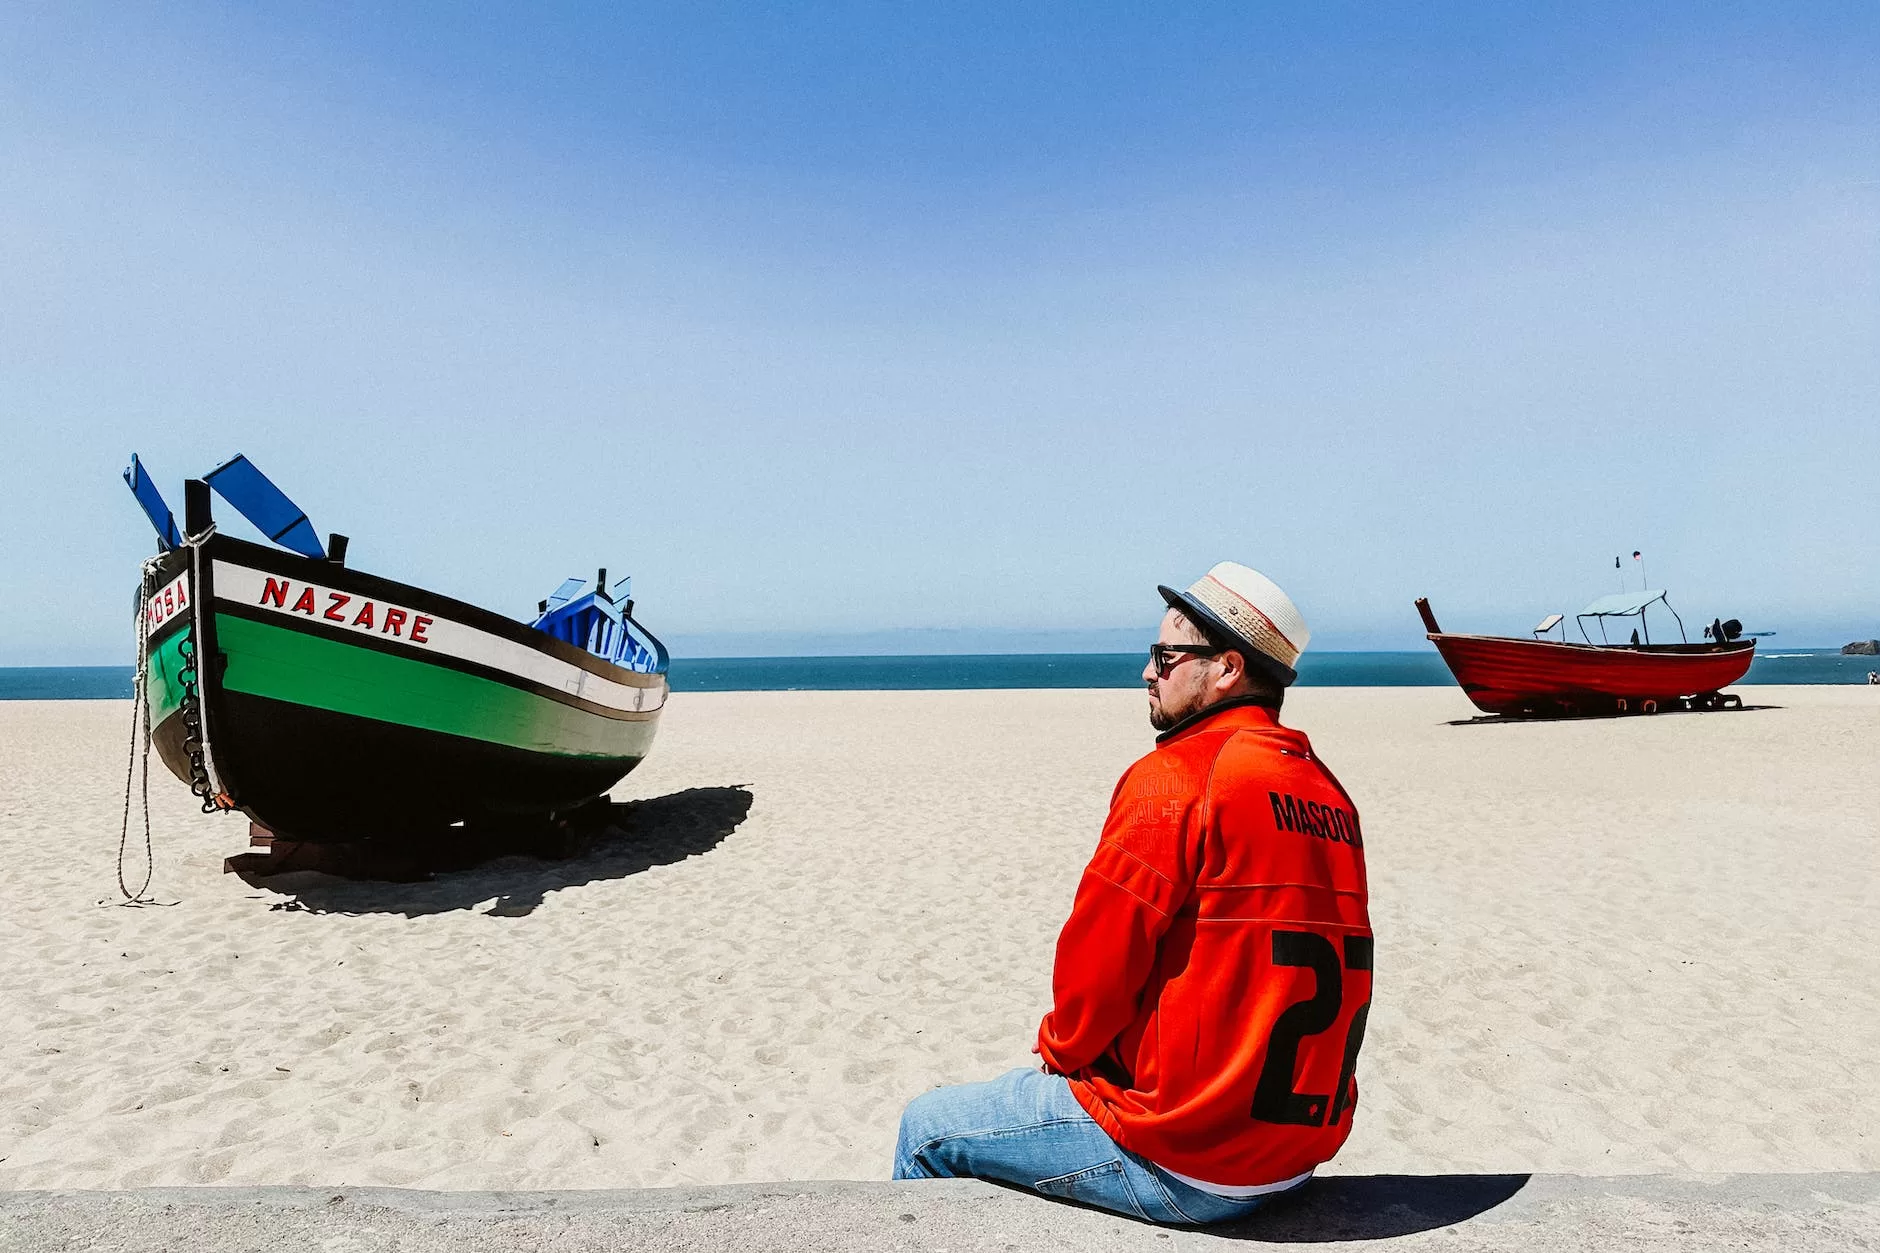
(1013,670)
(65,682)
(1421,668)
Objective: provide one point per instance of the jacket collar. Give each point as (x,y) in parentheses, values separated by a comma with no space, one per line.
(1202,715)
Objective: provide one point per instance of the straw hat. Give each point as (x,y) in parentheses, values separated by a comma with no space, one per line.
(1243,606)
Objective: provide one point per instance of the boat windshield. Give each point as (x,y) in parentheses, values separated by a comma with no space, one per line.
(1627,605)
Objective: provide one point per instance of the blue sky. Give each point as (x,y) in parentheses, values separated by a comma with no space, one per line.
(956,325)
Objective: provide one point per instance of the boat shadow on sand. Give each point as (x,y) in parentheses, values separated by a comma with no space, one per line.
(1513,720)
(617,840)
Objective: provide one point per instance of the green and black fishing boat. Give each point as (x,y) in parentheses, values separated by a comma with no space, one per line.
(334,706)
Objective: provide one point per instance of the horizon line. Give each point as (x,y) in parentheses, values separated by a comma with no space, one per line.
(1324,652)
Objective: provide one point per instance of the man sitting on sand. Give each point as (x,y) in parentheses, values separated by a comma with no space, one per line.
(1214,977)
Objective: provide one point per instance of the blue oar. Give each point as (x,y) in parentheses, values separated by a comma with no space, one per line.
(154,506)
(257,499)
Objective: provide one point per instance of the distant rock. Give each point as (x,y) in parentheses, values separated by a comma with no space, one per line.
(1861,648)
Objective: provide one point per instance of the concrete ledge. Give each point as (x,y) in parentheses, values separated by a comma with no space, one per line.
(1450,1212)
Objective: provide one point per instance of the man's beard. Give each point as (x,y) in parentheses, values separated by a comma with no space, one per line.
(1159,718)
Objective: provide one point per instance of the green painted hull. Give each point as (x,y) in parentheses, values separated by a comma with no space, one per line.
(163,683)
(287,665)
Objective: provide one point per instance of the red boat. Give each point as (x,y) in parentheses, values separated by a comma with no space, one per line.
(1508,675)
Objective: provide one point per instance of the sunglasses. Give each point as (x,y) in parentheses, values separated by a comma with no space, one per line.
(1165,657)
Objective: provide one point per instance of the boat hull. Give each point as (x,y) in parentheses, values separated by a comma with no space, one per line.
(1507,675)
(341,707)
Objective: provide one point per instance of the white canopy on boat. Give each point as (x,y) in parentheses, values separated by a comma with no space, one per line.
(1622,604)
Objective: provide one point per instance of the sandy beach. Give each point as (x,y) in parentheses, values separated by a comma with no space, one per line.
(1604,948)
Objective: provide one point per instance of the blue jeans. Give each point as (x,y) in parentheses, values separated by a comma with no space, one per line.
(1026,1128)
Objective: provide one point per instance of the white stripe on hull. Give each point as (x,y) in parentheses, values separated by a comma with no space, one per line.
(426,633)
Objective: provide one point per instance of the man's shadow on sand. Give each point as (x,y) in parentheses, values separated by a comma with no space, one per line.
(1358,1207)
(628,838)
(1372,1207)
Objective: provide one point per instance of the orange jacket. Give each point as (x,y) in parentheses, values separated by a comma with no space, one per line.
(1213,979)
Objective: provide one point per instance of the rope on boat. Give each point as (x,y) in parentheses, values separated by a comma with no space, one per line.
(140,718)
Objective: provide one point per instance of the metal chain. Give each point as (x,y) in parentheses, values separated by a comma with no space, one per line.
(192,724)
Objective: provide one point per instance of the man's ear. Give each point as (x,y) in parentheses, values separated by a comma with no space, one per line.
(1233,669)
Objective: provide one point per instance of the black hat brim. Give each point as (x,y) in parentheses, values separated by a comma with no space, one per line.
(1211,622)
